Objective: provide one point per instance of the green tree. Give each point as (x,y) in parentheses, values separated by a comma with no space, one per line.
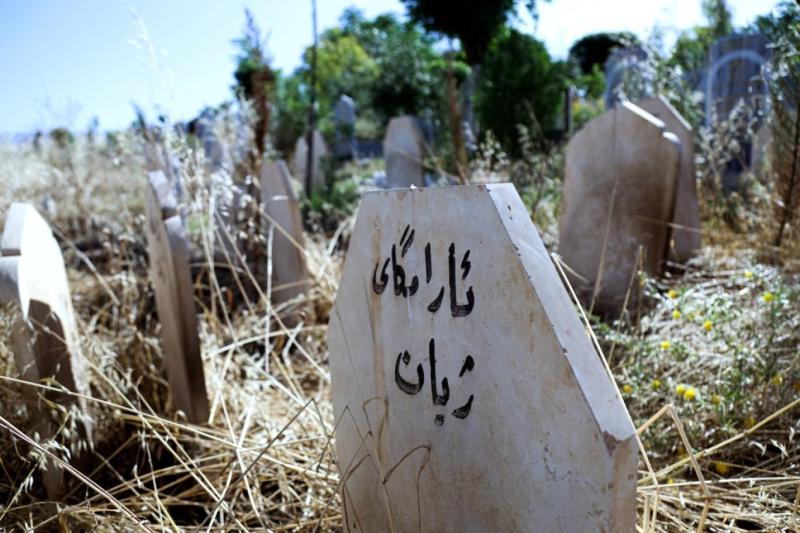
(519,85)
(692,46)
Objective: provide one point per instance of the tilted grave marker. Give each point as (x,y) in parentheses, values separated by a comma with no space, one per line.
(685,234)
(619,191)
(467,393)
(404,150)
(168,246)
(44,336)
(289,274)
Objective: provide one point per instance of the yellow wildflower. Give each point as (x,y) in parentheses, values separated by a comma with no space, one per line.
(749,422)
(768,297)
(656,384)
(748,274)
(716,399)
(676,314)
(672,294)
(627,389)
(707,325)
(670,481)
(777,380)
(665,345)
(680,390)
(721,468)
(690,394)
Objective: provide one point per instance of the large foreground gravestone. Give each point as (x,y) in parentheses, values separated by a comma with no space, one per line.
(468,395)
(685,236)
(168,246)
(404,149)
(289,274)
(619,192)
(44,335)
(301,160)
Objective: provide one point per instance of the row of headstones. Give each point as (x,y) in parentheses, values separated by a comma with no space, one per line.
(45,339)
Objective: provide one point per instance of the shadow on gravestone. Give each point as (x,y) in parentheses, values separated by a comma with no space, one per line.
(168,247)
(619,189)
(685,238)
(404,149)
(44,335)
(279,201)
(467,394)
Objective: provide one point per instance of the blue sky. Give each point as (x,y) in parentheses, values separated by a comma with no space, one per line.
(62,63)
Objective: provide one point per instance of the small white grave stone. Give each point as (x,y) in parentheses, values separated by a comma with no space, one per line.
(301,160)
(289,274)
(404,149)
(168,246)
(685,236)
(44,338)
(467,393)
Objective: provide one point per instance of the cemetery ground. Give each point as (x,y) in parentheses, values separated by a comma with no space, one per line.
(707,365)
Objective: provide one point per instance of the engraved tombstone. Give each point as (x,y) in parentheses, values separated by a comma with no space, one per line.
(404,149)
(168,246)
(301,160)
(619,188)
(469,397)
(44,336)
(344,113)
(685,236)
(289,274)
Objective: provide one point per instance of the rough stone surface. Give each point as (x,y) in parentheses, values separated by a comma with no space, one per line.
(462,376)
(734,74)
(44,335)
(686,237)
(619,188)
(301,159)
(289,274)
(168,246)
(404,149)
(344,112)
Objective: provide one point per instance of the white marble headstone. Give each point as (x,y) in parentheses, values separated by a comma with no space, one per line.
(404,150)
(44,338)
(685,235)
(169,249)
(619,189)
(467,394)
(301,160)
(289,274)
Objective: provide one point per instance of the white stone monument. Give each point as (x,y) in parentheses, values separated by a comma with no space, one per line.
(467,393)
(685,236)
(619,189)
(404,150)
(168,246)
(44,335)
(278,198)
(301,160)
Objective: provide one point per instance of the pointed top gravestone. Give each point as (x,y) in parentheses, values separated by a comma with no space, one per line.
(468,395)
(404,150)
(301,160)
(685,233)
(289,274)
(44,338)
(168,247)
(619,190)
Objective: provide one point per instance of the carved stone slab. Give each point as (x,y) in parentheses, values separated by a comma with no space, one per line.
(404,150)
(469,394)
(301,160)
(289,274)
(168,246)
(686,241)
(33,277)
(619,191)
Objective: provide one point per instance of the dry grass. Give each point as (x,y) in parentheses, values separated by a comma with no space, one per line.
(265,459)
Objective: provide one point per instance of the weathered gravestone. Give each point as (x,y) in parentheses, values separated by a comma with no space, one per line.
(44,336)
(404,149)
(168,246)
(344,113)
(467,394)
(629,75)
(301,160)
(734,73)
(289,274)
(685,235)
(619,188)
